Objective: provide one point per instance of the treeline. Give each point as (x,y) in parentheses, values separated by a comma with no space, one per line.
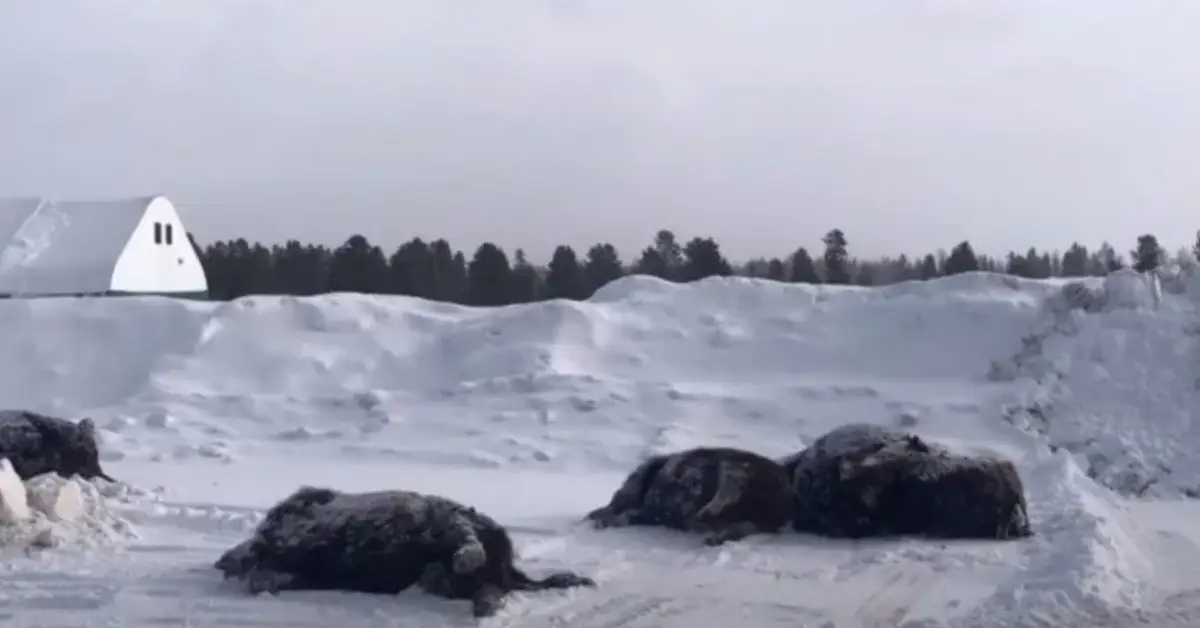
(490,276)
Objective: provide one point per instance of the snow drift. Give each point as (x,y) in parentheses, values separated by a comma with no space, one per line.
(233,404)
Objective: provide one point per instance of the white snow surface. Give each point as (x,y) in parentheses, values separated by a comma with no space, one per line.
(211,412)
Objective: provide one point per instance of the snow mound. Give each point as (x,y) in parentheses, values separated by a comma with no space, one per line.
(49,511)
(1123,289)
(174,380)
(1128,289)
(1116,385)
(1176,278)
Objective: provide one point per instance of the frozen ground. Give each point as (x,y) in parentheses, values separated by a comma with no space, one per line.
(533,413)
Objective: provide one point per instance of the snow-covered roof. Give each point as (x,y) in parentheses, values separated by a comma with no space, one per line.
(13,213)
(64,247)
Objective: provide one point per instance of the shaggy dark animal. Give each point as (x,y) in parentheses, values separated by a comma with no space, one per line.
(861,481)
(36,444)
(383,542)
(849,442)
(725,493)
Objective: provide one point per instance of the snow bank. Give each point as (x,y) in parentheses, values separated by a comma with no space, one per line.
(1124,289)
(1128,289)
(1117,386)
(90,352)
(48,511)
(178,380)
(1088,566)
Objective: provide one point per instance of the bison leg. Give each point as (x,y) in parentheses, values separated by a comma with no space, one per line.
(263,580)
(719,534)
(458,537)
(604,518)
(237,561)
(487,601)
(438,581)
(731,489)
(732,485)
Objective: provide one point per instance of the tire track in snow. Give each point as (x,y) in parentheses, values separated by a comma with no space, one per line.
(609,609)
(891,603)
(667,582)
(602,611)
(195,596)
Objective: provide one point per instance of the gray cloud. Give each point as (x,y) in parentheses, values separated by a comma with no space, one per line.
(910,125)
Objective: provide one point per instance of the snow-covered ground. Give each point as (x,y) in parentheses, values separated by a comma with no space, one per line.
(535,412)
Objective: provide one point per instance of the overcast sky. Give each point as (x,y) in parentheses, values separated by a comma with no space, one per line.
(911,125)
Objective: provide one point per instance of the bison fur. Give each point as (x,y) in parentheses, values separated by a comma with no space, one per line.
(384,542)
(724,493)
(862,480)
(36,444)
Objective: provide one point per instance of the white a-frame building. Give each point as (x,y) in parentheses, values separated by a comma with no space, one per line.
(104,247)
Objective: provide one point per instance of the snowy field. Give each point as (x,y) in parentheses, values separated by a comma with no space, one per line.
(212,411)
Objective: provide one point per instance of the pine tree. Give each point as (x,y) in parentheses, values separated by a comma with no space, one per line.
(836,258)
(357,266)
(1017,265)
(489,277)
(1106,260)
(804,270)
(929,268)
(603,265)
(1148,254)
(865,275)
(962,259)
(526,284)
(564,277)
(702,258)
(776,271)
(1075,261)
